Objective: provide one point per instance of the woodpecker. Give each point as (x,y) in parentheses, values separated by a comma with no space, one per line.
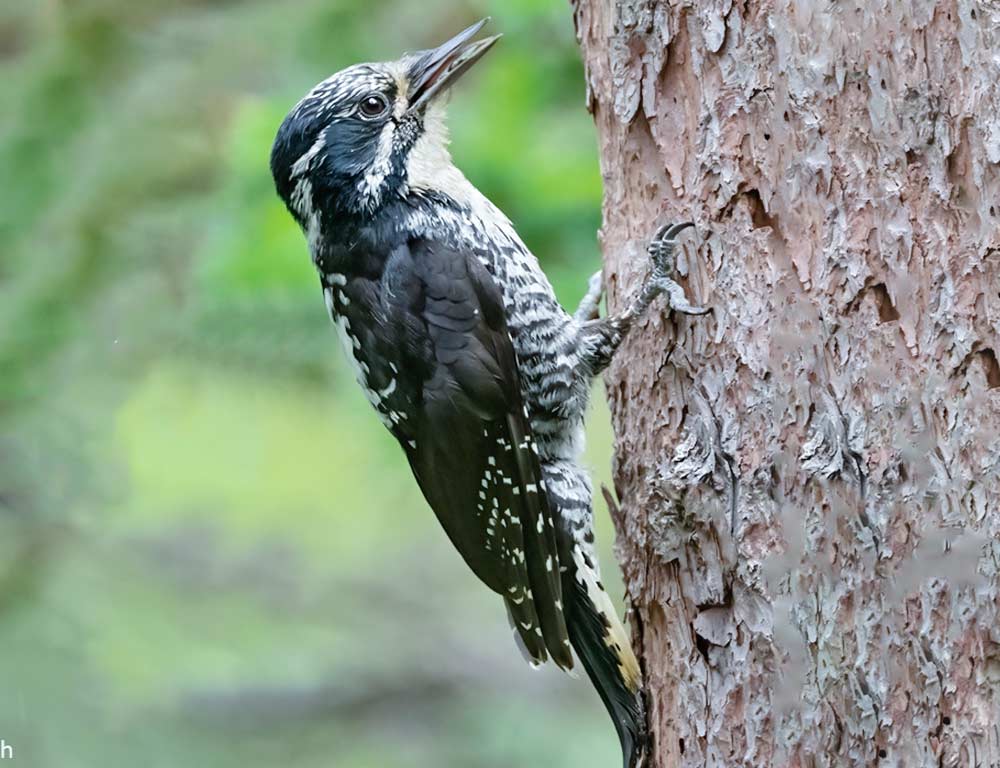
(458,341)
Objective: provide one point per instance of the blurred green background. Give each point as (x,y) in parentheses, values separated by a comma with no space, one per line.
(211,552)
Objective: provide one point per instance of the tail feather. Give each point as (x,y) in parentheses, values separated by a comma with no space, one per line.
(603,647)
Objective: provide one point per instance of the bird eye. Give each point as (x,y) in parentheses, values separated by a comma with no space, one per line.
(374,105)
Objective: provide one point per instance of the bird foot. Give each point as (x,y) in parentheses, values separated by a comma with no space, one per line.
(661,247)
(661,250)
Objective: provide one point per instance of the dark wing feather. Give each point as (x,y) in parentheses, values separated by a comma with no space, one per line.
(472,450)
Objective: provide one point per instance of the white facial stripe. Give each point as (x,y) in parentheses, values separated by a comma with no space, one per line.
(304,163)
(302,202)
(302,197)
(370,186)
(402,90)
(401,104)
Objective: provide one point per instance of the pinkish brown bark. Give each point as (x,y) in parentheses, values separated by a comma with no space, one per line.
(810,476)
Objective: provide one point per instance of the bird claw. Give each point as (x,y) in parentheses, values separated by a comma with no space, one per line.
(661,247)
(661,250)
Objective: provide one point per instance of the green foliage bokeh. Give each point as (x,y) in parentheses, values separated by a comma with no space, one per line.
(211,553)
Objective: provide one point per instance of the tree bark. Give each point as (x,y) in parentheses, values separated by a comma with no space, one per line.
(809,477)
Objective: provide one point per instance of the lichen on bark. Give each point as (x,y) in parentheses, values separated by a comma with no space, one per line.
(809,477)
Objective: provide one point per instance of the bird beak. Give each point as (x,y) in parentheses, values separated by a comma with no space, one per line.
(438,69)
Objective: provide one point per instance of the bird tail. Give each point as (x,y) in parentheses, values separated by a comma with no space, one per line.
(601,643)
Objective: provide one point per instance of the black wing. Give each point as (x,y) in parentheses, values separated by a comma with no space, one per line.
(470,444)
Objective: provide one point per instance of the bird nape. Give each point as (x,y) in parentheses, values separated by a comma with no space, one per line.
(457,340)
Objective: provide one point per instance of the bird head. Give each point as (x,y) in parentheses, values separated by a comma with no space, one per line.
(371,133)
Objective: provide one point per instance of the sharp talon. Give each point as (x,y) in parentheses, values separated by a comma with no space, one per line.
(665,238)
(670,231)
(661,249)
(675,229)
(662,246)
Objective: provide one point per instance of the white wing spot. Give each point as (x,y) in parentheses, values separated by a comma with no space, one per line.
(351,344)
(384,393)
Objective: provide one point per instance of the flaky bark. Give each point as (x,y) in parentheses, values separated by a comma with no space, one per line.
(809,476)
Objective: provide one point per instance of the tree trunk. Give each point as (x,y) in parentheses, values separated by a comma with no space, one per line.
(809,477)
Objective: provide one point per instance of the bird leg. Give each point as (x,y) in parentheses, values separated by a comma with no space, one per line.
(661,251)
(588,309)
(600,337)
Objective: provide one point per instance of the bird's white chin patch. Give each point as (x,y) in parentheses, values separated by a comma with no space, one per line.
(429,168)
(429,164)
